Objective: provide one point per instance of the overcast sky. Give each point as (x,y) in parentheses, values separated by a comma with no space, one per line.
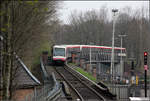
(70,6)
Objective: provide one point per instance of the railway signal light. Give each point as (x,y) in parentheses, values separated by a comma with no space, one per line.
(145,58)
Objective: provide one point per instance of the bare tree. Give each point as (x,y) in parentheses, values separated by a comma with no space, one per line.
(24,25)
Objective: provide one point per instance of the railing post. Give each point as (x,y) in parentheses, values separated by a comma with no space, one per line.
(35,94)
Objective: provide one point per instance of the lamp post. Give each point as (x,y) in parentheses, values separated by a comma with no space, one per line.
(121,62)
(90,56)
(1,59)
(112,54)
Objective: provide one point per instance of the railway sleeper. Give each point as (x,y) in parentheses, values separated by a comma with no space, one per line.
(79,86)
(73,81)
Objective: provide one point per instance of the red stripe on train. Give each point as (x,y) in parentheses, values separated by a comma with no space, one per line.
(59,59)
(73,47)
(101,47)
(94,47)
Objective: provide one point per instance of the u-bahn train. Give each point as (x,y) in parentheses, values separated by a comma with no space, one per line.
(61,53)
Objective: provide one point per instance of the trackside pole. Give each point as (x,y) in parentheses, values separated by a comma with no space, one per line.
(145,68)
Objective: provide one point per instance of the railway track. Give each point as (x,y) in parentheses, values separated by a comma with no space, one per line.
(100,87)
(51,69)
(83,90)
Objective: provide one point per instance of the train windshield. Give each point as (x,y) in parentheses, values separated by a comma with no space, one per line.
(59,52)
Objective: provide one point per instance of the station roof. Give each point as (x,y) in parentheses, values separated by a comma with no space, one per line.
(24,77)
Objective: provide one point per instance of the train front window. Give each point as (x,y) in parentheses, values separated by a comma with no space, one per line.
(59,52)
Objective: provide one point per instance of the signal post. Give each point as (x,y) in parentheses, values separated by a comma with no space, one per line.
(145,68)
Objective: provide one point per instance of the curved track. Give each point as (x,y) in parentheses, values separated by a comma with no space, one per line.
(84,91)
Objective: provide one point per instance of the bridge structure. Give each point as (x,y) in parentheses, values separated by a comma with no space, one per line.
(100,59)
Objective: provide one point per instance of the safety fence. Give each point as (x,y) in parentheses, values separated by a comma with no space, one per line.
(44,73)
(50,91)
(123,92)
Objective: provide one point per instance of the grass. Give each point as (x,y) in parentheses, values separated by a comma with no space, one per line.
(88,75)
(72,64)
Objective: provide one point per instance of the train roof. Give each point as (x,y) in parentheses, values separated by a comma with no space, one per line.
(87,46)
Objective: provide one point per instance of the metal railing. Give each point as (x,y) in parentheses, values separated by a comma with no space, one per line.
(51,90)
(45,74)
(39,94)
(56,91)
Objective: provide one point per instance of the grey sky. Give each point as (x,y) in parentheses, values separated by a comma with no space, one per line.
(70,6)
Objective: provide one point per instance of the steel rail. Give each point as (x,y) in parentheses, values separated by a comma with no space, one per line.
(88,86)
(79,95)
(85,85)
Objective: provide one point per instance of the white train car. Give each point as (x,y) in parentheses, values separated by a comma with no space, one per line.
(63,52)
(59,53)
